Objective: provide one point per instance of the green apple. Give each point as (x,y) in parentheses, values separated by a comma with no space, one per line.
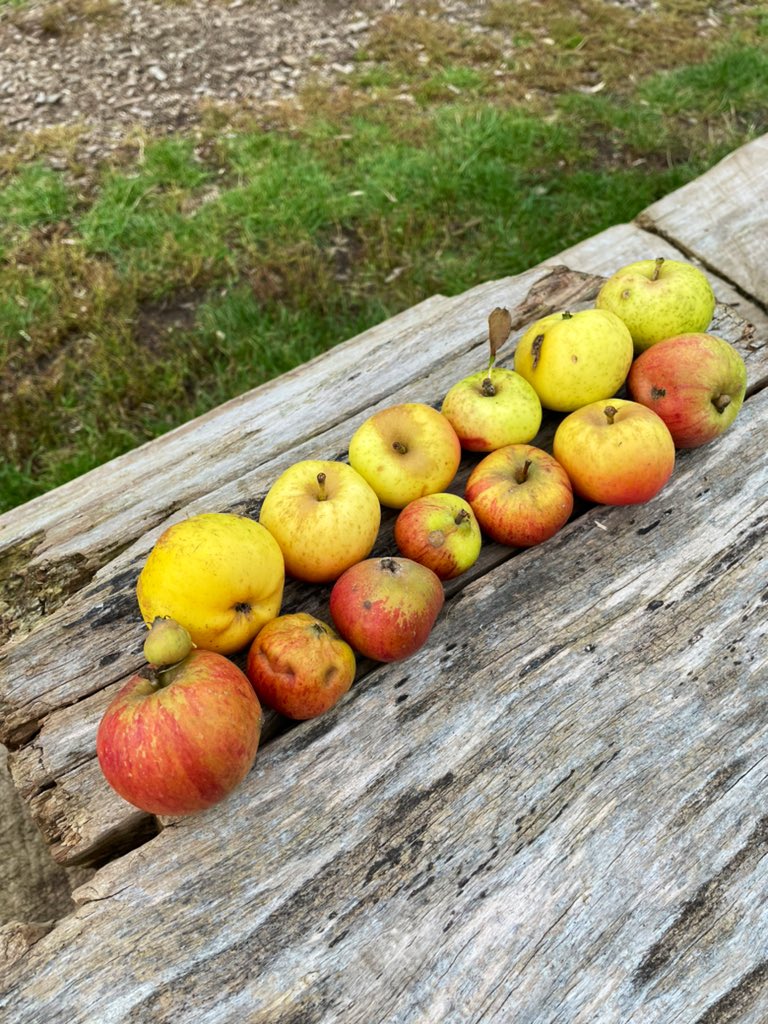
(658,299)
(572,359)
(405,451)
(324,516)
(441,532)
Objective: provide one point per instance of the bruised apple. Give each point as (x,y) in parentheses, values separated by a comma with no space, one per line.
(299,666)
(178,740)
(386,607)
(441,532)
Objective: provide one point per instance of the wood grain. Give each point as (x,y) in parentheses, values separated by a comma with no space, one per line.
(556,811)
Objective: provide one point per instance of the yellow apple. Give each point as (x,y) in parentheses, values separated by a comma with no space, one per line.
(218,575)
(405,451)
(324,516)
(493,408)
(572,359)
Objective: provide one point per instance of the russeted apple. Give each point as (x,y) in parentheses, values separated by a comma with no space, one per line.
(299,666)
(616,452)
(695,382)
(496,406)
(441,532)
(520,495)
(386,607)
(178,740)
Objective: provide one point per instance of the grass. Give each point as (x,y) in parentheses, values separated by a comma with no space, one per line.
(136,294)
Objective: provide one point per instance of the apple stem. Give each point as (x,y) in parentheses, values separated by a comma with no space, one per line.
(610,412)
(322,494)
(461,516)
(487,387)
(567,315)
(722,402)
(399,447)
(657,269)
(522,474)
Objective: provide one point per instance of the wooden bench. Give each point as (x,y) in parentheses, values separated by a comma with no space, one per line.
(556,811)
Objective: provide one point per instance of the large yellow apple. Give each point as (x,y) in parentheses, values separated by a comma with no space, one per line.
(219,575)
(406,451)
(572,359)
(324,516)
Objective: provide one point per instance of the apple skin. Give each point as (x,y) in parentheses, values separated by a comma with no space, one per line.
(658,299)
(178,741)
(623,462)
(441,532)
(491,409)
(299,666)
(325,526)
(386,607)
(404,452)
(517,504)
(218,575)
(572,359)
(695,382)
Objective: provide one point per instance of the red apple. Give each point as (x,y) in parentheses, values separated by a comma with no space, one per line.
(180,740)
(695,382)
(299,666)
(616,452)
(520,495)
(441,532)
(386,607)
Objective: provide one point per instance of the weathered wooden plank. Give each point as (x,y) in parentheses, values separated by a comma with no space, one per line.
(721,218)
(556,811)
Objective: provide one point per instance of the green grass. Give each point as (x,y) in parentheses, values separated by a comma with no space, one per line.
(196,268)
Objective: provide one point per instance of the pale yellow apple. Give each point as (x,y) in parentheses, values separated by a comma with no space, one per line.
(405,451)
(572,359)
(324,516)
(218,575)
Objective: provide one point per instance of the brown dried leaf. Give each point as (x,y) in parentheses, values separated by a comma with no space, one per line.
(499,328)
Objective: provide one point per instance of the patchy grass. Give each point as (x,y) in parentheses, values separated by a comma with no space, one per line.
(138,294)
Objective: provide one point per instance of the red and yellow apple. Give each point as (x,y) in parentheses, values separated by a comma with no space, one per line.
(616,452)
(572,359)
(695,382)
(218,575)
(657,299)
(520,495)
(299,666)
(491,409)
(324,516)
(386,607)
(404,452)
(441,532)
(180,740)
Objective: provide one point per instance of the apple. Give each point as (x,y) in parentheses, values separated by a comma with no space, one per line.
(299,666)
(324,516)
(695,382)
(658,299)
(441,532)
(616,452)
(496,406)
(219,575)
(179,740)
(572,359)
(404,452)
(386,607)
(167,643)
(520,495)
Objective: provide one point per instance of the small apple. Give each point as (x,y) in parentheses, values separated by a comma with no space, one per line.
(219,575)
(179,740)
(386,607)
(299,666)
(520,495)
(493,407)
(441,532)
(572,359)
(324,516)
(695,382)
(657,299)
(616,452)
(404,452)
(167,643)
